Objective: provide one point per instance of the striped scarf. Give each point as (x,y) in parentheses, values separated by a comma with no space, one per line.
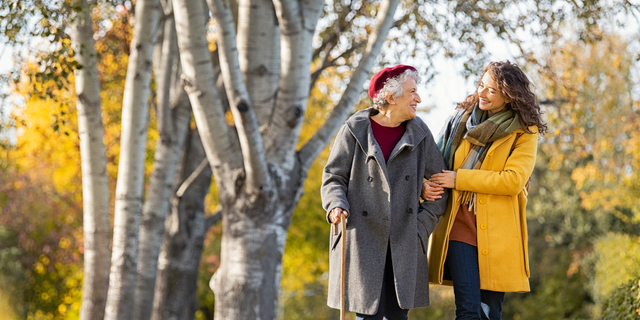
(480,130)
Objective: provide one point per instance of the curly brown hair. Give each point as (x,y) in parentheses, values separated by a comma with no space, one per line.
(513,84)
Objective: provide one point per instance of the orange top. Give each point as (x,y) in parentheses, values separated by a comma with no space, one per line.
(464,227)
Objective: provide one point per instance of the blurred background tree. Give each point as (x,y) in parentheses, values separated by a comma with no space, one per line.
(583,213)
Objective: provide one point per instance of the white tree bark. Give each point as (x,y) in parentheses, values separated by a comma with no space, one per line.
(255,165)
(184,237)
(128,205)
(259,54)
(255,221)
(198,81)
(95,186)
(297,20)
(173,123)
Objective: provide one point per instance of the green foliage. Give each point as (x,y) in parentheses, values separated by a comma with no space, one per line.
(39,252)
(12,275)
(617,261)
(624,302)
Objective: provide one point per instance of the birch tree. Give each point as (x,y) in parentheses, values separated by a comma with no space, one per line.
(258,171)
(184,236)
(95,191)
(173,117)
(129,188)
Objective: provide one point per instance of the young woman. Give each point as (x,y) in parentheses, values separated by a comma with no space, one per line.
(489,147)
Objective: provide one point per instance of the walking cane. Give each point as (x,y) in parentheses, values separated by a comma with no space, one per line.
(343,224)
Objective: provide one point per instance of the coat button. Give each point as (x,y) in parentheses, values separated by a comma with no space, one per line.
(407,178)
(482,201)
(485,252)
(491,154)
(370,179)
(410,210)
(483,226)
(365,213)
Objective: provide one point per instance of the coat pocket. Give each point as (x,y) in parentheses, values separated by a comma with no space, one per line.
(335,239)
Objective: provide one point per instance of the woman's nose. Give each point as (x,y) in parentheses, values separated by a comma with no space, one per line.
(418,98)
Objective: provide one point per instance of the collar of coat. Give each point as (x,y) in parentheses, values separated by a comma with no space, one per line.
(360,126)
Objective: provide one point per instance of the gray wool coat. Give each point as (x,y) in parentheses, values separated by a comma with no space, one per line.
(383,202)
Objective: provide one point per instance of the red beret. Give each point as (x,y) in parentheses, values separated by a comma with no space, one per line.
(377,82)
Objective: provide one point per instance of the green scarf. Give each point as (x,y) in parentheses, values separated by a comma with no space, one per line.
(480,130)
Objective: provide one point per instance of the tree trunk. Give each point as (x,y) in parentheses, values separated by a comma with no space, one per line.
(246,284)
(95,185)
(183,240)
(173,124)
(128,204)
(258,194)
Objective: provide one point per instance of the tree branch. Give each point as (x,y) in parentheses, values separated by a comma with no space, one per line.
(339,26)
(199,83)
(255,164)
(211,220)
(326,63)
(258,42)
(297,21)
(321,138)
(164,52)
(192,177)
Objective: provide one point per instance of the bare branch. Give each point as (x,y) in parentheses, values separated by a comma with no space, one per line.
(297,24)
(326,63)
(192,177)
(251,143)
(199,82)
(211,220)
(321,138)
(258,42)
(339,26)
(164,53)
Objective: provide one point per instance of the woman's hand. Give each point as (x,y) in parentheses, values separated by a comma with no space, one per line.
(446,179)
(334,215)
(431,191)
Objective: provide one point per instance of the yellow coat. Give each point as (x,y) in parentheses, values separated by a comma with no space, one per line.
(500,215)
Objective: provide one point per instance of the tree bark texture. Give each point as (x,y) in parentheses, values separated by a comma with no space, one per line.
(128,204)
(183,238)
(95,185)
(168,149)
(258,192)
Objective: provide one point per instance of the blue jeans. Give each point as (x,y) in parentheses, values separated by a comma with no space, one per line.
(471,302)
(388,309)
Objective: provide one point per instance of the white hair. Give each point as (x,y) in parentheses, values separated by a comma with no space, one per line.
(394,86)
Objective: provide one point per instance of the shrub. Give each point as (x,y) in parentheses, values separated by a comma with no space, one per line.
(624,302)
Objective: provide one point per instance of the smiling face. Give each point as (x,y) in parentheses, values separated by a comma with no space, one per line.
(404,107)
(490,98)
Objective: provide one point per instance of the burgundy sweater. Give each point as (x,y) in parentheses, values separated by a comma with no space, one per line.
(387,137)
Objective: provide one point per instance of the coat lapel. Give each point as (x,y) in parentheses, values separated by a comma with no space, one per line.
(360,127)
(412,136)
(502,140)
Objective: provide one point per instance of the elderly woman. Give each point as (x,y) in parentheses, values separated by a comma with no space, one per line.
(489,145)
(374,176)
